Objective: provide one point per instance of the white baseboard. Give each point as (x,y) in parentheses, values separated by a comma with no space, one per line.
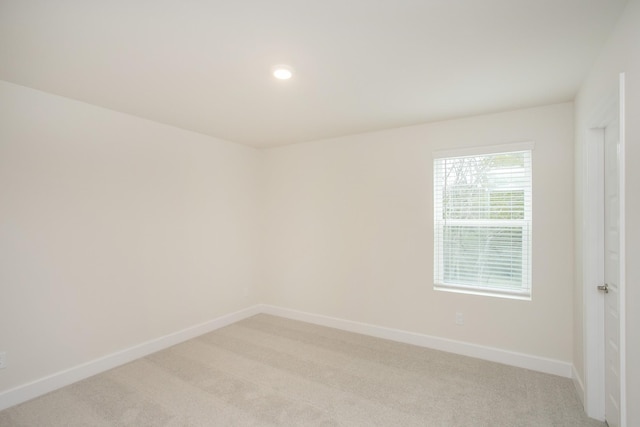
(521,360)
(577,382)
(55,381)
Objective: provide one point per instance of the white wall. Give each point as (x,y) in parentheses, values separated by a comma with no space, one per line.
(349,227)
(620,54)
(113,231)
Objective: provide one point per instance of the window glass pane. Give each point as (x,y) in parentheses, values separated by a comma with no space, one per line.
(485,256)
(484,187)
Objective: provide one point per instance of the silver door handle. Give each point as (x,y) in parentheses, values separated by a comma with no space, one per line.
(604,288)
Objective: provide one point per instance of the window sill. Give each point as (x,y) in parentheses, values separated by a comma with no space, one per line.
(490,292)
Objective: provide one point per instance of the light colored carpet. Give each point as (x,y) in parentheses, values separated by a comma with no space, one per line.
(271,371)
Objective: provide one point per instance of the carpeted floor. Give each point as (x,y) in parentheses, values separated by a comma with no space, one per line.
(271,371)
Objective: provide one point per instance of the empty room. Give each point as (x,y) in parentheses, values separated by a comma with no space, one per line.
(354,213)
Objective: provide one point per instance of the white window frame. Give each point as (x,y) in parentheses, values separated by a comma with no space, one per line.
(525,291)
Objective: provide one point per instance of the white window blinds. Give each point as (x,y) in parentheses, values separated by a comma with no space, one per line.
(482,227)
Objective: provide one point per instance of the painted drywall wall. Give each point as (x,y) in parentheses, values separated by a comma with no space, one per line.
(620,54)
(113,231)
(349,227)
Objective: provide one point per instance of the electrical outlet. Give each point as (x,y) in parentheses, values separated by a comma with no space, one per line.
(459,318)
(3,359)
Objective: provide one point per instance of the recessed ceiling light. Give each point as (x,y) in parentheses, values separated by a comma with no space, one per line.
(282,72)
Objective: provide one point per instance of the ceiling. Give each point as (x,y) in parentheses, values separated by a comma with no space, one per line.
(360,65)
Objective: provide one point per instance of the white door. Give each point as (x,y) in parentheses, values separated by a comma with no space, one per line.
(612,274)
(603,261)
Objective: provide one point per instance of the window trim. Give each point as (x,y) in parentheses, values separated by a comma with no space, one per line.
(438,267)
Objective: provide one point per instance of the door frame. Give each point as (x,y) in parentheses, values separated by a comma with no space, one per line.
(611,109)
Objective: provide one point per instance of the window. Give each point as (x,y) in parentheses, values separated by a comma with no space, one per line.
(482,221)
